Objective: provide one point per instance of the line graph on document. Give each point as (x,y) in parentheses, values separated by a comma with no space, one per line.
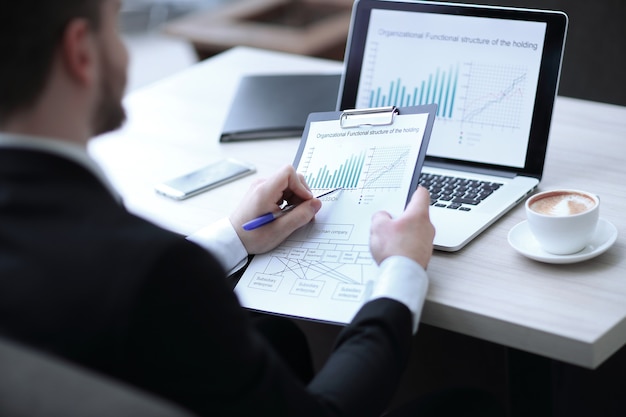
(376,168)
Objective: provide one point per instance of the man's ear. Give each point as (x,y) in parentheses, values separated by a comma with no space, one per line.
(78,52)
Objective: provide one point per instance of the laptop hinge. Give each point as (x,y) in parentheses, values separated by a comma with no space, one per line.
(474,170)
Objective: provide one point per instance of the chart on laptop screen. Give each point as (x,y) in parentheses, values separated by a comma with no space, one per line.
(481,72)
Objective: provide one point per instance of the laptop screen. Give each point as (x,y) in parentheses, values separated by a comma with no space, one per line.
(492,71)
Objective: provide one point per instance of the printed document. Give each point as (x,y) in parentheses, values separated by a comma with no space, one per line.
(324,271)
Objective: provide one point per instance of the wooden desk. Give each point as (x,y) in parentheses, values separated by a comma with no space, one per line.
(573,313)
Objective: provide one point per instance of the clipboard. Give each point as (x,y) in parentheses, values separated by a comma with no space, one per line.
(324,270)
(375,120)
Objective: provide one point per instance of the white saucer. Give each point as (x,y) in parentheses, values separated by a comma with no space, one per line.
(522,240)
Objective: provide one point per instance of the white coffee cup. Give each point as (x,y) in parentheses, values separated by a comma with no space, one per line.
(563,221)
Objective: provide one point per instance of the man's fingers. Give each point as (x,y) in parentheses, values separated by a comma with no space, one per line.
(298,186)
(420,201)
(301,215)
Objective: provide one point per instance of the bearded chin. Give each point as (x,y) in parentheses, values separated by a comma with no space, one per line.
(109,118)
(109,114)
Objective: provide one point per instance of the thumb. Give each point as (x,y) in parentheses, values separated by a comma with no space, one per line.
(379,218)
(419,203)
(301,215)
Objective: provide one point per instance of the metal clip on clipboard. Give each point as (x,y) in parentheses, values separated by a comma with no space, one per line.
(377,116)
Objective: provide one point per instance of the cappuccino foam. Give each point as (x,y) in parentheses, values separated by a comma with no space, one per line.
(564,204)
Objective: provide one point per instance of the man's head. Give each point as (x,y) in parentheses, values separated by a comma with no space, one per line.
(76,40)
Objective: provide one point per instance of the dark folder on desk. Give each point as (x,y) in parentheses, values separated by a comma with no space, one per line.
(277,106)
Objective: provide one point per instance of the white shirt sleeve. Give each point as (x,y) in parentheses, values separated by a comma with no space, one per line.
(222,241)
(403,280)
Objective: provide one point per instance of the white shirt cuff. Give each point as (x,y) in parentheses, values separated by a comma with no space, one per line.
(404,280)
(222,241)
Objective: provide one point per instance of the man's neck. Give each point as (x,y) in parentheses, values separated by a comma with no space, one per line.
(43,124)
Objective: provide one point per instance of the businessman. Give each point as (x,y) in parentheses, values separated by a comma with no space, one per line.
(82,278)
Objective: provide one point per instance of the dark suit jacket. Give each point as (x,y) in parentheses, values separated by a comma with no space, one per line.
(86,280)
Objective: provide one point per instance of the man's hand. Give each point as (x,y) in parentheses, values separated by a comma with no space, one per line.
(266,196)
(409,235)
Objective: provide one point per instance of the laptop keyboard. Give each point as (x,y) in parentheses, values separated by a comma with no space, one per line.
(456,193)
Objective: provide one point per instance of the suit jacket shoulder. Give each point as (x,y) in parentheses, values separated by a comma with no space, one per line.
(83,278)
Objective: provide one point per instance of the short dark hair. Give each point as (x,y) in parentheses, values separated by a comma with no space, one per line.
(30,31)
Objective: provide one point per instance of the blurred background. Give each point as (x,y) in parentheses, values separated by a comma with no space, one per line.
(165,36)
(154,54)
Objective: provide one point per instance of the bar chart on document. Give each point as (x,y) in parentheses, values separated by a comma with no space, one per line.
(375,168)
(325,270)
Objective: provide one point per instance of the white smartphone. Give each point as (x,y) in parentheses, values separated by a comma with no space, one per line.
(210,176)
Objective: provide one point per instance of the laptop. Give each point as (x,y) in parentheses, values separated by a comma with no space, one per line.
(494,73)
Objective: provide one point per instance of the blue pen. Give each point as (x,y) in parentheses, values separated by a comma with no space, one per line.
(270,217)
